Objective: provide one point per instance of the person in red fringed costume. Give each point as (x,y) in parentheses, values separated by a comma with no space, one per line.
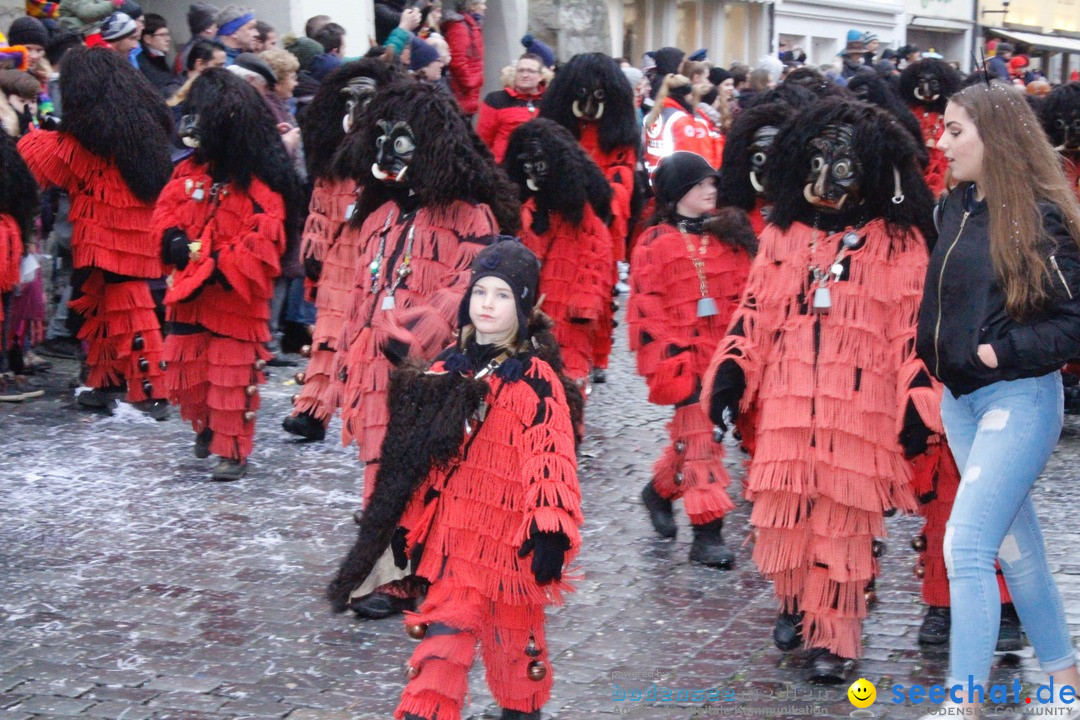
(112,158)
(223,220)
(819,368)
(329,255)
(688,271)
(926,86)
(563,219)
(1059,113)
(478,490)
(592,99)
(18,206)
(430,198)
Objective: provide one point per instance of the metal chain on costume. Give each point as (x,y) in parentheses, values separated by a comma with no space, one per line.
(706,304)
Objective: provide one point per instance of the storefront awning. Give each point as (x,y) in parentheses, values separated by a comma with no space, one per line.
(1039,41)
(939,24)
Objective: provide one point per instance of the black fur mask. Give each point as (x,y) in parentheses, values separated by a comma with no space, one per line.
(589,82)
(534,165)
(1060,117)
(929,83)
(394,151)
(834,177)
(736,187)
(759,154)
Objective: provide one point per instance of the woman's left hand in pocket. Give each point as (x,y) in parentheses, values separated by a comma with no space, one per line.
(987,356)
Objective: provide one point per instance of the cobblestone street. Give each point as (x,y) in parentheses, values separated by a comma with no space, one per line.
(131,586)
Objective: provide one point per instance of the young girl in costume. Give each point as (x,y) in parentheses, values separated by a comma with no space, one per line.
(478,490)
(687,274)
(1000,315)
(222,222)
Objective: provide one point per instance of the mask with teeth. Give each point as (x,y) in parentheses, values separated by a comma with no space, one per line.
(534,165)
(759,150)
(394,150)
(835,172)
(358,94)
(589,104)
(928,88)
(1065,132)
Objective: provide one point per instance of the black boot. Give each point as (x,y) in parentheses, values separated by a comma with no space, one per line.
(202,443)
(1010,635)
(663,520)
(519,715)
(825,668)
(598,376)
(935,626)
(306,426)
(708,547)
(379,605)
(786,633)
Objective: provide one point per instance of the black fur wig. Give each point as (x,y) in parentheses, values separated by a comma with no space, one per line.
(594,71)
(735,188)
(1057,112)
(793,94)
(877,91)
(948,77)
(815,81)
(239,140)
(320,122)
(573,179)
(880,142)
(450,163)
(114,112)
(18,189)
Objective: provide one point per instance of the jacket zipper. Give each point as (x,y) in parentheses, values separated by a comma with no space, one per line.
(1053,261)
(941,279)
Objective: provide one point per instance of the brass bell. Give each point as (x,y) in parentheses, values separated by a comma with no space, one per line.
(306,351)
(531,648)
(920,571)
(871,597)
(260,364)
(147,388)
(137,342)
(537,670)
(417,631)
(878,548)
(680,447)
(251,390)
(678,478)
(918,543)
(249,416)
(295,398)
(144,365)
(300,377)
(411,672)
(163,365)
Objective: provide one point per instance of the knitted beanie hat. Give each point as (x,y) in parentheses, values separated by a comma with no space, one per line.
(421,54)
(117,27)
(305,49)
(43,9)
(230,17)
(679,172)
(200,16)
(538,48)
(508,259)
(131,8)
(28,31)
(718,75)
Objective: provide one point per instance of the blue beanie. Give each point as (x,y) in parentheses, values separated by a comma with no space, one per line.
(538,48)
(421,54)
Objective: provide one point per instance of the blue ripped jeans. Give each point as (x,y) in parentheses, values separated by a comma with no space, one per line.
(1001,436)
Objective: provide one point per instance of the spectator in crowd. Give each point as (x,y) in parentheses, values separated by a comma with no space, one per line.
(32,34)
(156,42)
(998,66)
(260,75)
(314,24)
(204,54)
(504,110)
(21,91)
(852,56)
(120,33)
(200,19)
(424,61)
(387,16)
(84,17)
(265,37)
(332,38)
(400,37)
(871,43)
(463,28)
(541,50)
(236,31)
(285,67)
(306,51)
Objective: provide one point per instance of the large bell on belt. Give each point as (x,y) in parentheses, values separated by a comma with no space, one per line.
(306,351)
(920,571)
(163,365)
(531,648)
(137,342)
(411,672)
(249,416)
(918,543)
(147,388)
(680,447)
(295,398)
(417,631)
(260,364)
(537,671)
(878,548)
(300,377)
(250,390)
(678,478)
(144,365)
(870,594)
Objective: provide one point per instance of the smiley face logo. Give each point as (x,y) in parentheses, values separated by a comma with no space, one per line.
(862,693)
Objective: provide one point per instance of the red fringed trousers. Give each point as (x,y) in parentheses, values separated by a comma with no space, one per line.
(456,618)
(692,468)
(214,380)
(123,333)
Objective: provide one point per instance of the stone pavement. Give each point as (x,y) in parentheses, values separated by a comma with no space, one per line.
(133,587)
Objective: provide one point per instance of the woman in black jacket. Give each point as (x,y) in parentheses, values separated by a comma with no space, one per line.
(1000,315)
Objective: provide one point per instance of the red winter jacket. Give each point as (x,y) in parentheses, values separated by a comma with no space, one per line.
(501,113)
(466,40)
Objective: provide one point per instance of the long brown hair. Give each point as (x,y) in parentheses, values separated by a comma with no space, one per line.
(1020,170)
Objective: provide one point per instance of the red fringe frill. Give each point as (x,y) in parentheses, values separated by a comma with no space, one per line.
(123,334)
(932,125)
(827,462)
(618,166)
(325,239)
(574,264)
(424,317)
(110,226)
(11,250)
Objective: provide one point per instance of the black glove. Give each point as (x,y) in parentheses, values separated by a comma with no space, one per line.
(549,550)
(914,434)
(218,276)
(727,391)
(395,351)
(397,546)
(174,248)
(312,268)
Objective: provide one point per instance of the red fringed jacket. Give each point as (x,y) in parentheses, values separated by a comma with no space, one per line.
(11,250)
(618,166)
(331,206)
(520,468)
(228,288)
(674,345)
(110,226)
(932,125)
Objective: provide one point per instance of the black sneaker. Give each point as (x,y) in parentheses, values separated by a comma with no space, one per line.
(229,470)
(660,513)
(786,633)
(157,409)
(202,443)
(935,626)
(306,426)
(1010,633)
